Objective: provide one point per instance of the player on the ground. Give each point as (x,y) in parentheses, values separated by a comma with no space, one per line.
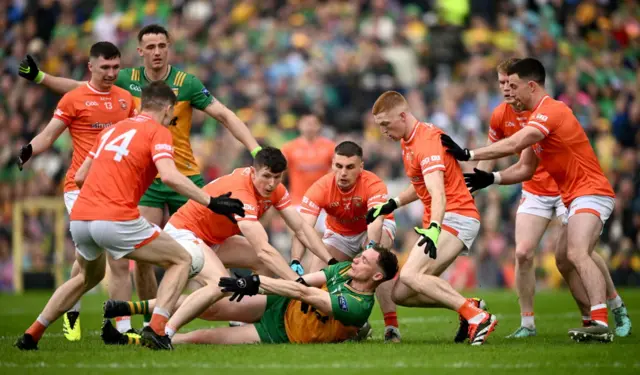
(555,136)
(338,309)
(436,179)
(346,194)
(540,201)
(86,111)
(259,188)
(153,46)
(120,167)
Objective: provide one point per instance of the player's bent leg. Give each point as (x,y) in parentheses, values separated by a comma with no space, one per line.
(529,230)
(119,288)
(571,276)
(246,334)
(384,291)
(198,302)
(250,309)
(614,301)
(152,209)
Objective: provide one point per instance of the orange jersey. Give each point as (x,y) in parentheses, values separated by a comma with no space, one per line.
(306,163)
(505,122)
(213,228)
(346,210)
(566,152)
(423,154)
(123,168)
(86,112)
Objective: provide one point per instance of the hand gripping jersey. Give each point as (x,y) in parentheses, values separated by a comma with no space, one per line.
(346,210)
(350,309)
(87,112)
(122,170)
(306,163)
(191,94)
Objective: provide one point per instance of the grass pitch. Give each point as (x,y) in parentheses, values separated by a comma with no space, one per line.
(427,345)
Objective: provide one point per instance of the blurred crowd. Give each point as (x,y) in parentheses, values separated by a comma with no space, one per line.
(267,59)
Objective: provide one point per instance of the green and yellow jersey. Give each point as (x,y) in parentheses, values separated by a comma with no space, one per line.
(350,308)
(191,94)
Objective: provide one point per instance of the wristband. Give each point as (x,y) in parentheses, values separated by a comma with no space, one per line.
(497,178)
(471,154)
(397,200)
(436,223)
(39,77)
(255,151)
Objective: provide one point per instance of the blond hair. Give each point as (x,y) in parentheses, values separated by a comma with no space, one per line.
(388,101)
(506,64)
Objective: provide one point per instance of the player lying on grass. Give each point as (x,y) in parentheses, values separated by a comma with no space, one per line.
(345,194)
(118,170)
(241,244)
(341,298)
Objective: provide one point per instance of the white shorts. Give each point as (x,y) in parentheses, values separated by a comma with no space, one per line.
(184,235)
(320,223)
(118,238)
(352,245)
(70,198)
(464,227)
(539,205)
(598,205)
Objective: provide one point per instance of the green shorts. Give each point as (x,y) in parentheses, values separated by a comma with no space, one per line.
(271,326)
(160,195)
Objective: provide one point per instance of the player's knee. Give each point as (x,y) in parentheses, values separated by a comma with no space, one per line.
(119,268)
(406,276)
(576,255)
(525,252)
(562,262)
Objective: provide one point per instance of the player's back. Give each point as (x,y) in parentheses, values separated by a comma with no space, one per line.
(306,163)
(423,153)
(213,228)
(123,168)
(87,111)
(566,152)
(505,122)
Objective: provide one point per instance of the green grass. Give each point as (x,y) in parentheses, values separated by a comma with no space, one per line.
(427,346)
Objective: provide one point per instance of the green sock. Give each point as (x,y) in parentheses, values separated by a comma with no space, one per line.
(139,307)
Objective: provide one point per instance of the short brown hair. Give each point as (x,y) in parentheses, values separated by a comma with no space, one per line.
(388,101)
(387,261)
(506,64)
(156,95)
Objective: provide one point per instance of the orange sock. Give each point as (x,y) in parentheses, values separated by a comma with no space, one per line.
(600,314)
(158,322)
(469,309)
(391,319)
(36,330)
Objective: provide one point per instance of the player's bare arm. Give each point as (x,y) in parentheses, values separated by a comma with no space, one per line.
(521,171)
(487,165)
(374,230)
(42,141)
(297,248)
(408,196)
(177,181)
(315,297)
(83,172)
(306,233)
(508,146)
(230,121)
(316,279)
(29,70)
(256,235)
(434,183)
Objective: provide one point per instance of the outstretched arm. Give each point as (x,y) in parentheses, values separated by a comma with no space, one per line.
(297,248)
(487,165)
(230,121)
(268,255)
(521,171)
(508,146)
(305,233)
(29,70)
(318,298)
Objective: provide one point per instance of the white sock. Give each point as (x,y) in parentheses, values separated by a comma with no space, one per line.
(123,323)
(478,318)
(169,331)
(43,321)
(161,311)
(527,321)
(615,302)
(75,308)
(145,324)
(586,318)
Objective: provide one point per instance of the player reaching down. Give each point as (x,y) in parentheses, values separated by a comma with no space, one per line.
(345,195)
(118,170)
(86,111)
(553,135)
(342,304)
(450,222)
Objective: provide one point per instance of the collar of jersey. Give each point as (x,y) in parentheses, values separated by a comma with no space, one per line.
(413,132)
(346,284)
(144,73)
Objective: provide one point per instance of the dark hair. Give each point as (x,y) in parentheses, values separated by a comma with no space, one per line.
(107,50)
(529,69)
(152,29)
(348,149)
(157,95)
(387,261)
(271,158)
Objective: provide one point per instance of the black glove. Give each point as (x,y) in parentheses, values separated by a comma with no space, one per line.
(429,239)
(332,261)
(479,179)
(240,286)
(452,147)
(381,209)
(223,205)
(304,307)
(29,69)
(25,154)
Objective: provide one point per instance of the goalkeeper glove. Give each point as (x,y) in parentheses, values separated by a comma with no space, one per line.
(29,70)
(297,267)
(383,209)
(429,238)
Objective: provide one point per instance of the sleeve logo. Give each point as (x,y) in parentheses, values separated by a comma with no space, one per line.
(342,302)
(163,147)
(541,117)
(58,112)
(249,207)
(206,92)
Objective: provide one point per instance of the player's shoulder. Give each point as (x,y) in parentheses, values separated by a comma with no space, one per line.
(427,131)
(499,113)
(325,180)
(181,79)
(327,142)
(78,92)
(551,105)
(369,177)
(119,91)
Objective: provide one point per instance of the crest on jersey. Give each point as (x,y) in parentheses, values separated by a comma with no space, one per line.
(175,90)
(123,104)
(342,302)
